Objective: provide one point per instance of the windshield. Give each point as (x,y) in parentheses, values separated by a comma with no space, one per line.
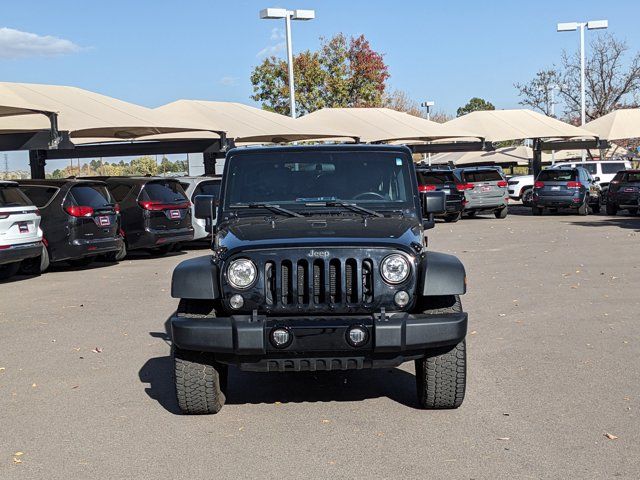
(163,191)
(295,179)
(95,196)
(558,175)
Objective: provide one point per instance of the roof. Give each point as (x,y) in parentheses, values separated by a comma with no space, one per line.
(381,125)
(241,123)
(80,112)
(339,147)
(617,125)
(519,155)
(504,125)
(55,182)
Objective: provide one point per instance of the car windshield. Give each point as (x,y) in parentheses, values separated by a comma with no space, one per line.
(434,178)
(163,191)
(633,177)
(95,196)
(302,179)
(472,176)
(608,168)
(11,196)
(558,175)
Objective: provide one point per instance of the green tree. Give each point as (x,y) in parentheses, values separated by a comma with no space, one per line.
(474,105)
(145,165)
(343,73)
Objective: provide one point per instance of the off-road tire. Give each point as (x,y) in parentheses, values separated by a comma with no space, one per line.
(200,381)
(452,217)
(441,376)
(502,213)
(527,197)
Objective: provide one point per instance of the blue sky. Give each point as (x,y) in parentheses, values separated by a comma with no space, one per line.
(154,52)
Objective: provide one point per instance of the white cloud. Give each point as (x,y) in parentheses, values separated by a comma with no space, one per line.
(228,81)
(18,44)
(272,50)
(277,34)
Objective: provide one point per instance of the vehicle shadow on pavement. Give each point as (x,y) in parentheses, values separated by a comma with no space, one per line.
(626,222)
(295,387)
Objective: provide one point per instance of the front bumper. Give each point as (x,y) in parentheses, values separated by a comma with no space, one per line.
(19,252)
(318,343)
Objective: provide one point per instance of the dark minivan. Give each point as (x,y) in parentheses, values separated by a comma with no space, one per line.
(156,213)
(624,192)
(80,220)
(442,179)
(572,188)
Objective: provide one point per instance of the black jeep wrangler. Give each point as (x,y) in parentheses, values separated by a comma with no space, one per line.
(319,263)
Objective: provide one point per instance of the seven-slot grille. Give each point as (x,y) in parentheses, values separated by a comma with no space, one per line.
(318,281)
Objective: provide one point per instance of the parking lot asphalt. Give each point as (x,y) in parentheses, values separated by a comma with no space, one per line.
(553,366)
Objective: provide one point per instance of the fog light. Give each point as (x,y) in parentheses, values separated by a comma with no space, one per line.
(357,336)
(281,337)
(236,301)
(401,298)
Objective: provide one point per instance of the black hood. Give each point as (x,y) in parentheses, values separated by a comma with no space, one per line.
(261,232)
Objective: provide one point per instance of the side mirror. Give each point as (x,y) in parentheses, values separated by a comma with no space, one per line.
(596,179)
(205,207)
(433,203)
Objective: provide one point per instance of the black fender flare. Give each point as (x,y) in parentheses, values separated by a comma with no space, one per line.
(196,278)
(442,274)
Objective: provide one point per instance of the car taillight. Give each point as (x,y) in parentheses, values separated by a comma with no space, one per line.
(426,188)
(79,211)
(573,184)
(154,205)
(538,184)
(37,212)
(502,183)
(116,207)
(464,186)
(45,242)
(121,232)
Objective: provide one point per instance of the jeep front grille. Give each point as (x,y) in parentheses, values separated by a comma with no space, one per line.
(319,282)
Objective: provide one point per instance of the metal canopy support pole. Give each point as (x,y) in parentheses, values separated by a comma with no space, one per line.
(37,162)
(536,162)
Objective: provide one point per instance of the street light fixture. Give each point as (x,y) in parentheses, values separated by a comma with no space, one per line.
(288,15)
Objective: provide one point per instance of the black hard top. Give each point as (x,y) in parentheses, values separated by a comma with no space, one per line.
(338,147)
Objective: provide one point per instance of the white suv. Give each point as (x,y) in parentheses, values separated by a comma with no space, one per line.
(20,233)
(521,187)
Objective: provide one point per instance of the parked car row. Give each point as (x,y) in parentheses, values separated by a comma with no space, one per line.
(469,190)
(76,220)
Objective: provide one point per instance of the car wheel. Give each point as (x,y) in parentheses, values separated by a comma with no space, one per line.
(612,209)
(9,270)
(200,381)
(452,217)
(118,255)
(537,210)
(527,197)
(501,213)
(583,209)
(441,376)
(37,265)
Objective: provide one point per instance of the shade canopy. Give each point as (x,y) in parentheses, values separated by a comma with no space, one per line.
(617,125)
(243,123)
(519,155)
(382,125)
(505,125)
(80,112)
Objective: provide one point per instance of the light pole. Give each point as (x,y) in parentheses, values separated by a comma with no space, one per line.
(288,15)
(571,27)
(428,104)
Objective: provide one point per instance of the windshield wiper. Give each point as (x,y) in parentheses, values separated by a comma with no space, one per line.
(334,202)
(269,206)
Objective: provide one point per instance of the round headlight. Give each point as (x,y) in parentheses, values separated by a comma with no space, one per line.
(241,273)
(395,268)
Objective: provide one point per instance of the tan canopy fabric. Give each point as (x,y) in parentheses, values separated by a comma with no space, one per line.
(519,155)
(81,112)
(504,125)
(381,125)
(243,123)
(617,125)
